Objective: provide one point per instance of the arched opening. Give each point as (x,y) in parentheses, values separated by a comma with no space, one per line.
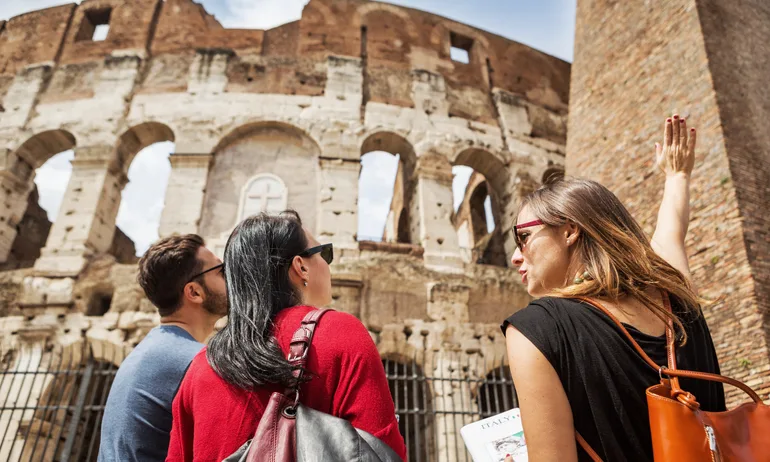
(496,392)
(377,197)
(142,201)
(480,194)
(476,218)
(260,167)
(385,189)
(409,390)
(42,162)
(142,153)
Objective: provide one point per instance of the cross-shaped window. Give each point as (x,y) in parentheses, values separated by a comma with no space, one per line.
(263,193)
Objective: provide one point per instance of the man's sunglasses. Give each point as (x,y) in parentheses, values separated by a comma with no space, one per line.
(326,251)
(515,231)
(221,265)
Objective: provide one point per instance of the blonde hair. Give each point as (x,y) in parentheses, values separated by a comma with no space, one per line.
(612,247)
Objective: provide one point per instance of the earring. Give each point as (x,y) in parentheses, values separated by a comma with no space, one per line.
(582,278)
(305,283)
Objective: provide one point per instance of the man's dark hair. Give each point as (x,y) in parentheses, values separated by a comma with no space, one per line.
(167,267)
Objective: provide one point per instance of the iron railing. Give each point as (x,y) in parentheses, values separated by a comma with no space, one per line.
(52,401)
(51,404)
(437,394)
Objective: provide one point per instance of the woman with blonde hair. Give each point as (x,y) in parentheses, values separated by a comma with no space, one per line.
(573,368)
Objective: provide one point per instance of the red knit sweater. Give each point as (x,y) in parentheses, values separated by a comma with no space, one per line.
(212,418)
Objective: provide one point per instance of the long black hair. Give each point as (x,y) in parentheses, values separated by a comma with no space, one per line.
(258,255)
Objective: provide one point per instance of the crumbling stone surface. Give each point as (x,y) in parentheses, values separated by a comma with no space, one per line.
(265,118)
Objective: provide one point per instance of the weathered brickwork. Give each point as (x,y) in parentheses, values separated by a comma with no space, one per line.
(266,119)
(635,63)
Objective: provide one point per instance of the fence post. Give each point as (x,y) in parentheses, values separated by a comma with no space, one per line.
(79,405)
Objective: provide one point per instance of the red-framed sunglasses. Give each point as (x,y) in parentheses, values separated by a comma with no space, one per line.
(515,231)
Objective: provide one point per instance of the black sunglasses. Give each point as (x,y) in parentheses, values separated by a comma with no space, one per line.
(221,265)
(326,251)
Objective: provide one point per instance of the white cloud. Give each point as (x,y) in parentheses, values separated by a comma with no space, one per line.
(51,179)
(143,197)
(261,14)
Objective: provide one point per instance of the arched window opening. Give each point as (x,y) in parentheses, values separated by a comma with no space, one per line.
(142,200)
(411,397)
(381,198)
(43,204)
(475,218)
(496,393)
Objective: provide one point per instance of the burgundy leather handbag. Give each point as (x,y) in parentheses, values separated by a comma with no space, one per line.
(681,431)
(289,431)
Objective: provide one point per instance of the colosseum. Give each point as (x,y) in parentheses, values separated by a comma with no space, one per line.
(262,120)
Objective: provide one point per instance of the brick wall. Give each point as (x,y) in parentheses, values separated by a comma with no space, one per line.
(636,63)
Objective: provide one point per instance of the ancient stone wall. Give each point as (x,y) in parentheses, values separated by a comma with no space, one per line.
(261,120)
(636,63)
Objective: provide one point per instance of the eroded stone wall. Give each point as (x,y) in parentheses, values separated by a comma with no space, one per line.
(301,102)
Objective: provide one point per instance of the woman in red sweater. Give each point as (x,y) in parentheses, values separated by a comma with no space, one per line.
(276,272)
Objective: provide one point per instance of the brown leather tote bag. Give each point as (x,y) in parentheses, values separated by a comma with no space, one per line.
(681,431)
(289,431)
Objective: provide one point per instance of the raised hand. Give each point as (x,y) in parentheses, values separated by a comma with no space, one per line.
(677,154)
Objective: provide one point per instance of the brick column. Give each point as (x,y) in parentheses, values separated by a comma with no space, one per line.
(696,58)
(86,222)
(184,194)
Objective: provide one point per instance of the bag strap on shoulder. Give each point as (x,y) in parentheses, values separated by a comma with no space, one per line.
(671,371)
(301,340)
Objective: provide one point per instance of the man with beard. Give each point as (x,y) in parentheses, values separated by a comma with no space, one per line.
(185,281)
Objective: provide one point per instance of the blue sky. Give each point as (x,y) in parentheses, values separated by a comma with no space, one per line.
(547,25)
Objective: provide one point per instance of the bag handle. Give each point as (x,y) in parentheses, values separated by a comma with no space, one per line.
(672,371)
(299,348)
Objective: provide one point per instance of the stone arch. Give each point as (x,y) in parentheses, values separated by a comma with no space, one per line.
(139,137)
(489,165)
(136,149)
(399,225)
(19,209)
(327,15)
(364,10)
(266,147)
(248,128)
(491,248)
(37,149)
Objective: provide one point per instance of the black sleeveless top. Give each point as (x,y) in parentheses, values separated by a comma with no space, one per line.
(603,376)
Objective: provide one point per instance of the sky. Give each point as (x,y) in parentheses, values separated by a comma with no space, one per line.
(546,25)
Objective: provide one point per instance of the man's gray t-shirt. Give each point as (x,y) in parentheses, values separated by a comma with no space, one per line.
(137,419)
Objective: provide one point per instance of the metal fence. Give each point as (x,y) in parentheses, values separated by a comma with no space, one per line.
(52,402)
(436,395)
